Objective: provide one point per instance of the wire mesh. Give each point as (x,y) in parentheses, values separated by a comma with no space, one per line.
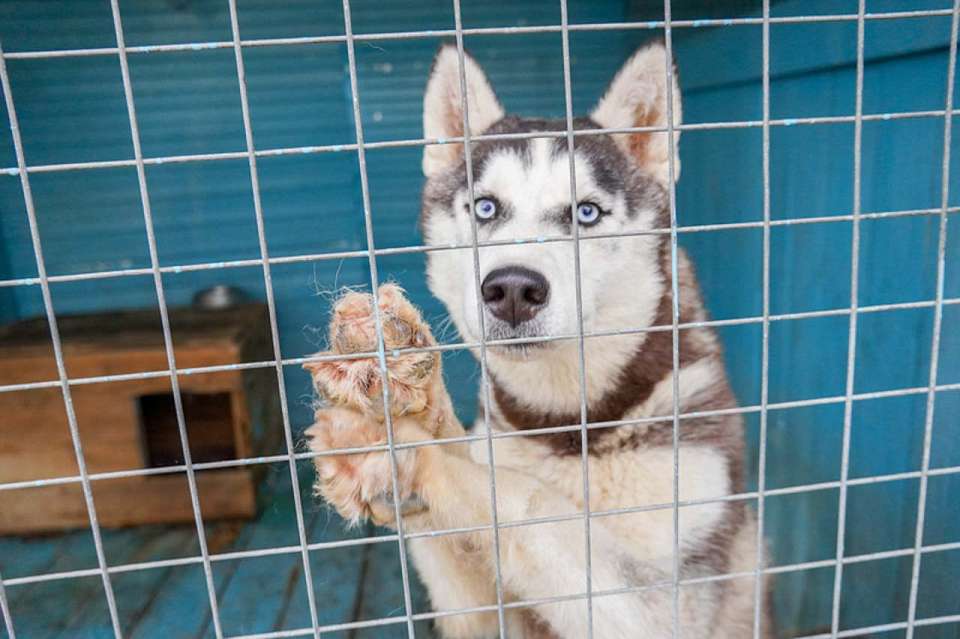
(758,587)
(165,324)
(937,328)
(918,551)
(272,311)
(484,371)
(58,353)
(852,326)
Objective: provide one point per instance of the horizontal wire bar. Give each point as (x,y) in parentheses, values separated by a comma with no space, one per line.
(738,410)
(548,600)
(297,361)
(426,248)
(414,142)
(937,325)
(264,552)
(356,625)
(899,625)
(277,152)
(341,543)
(57,351)
(449,33)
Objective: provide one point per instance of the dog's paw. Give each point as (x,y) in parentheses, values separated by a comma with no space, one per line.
(360,485)
(358,383)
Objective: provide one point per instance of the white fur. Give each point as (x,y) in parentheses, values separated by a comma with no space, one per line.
(530,191)
(545,560)
(637,477)
(638,97)
(621,288)
(443,107)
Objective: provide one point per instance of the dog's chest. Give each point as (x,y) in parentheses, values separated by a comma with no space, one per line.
(640,480)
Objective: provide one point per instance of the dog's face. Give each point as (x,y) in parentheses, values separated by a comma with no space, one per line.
(521,191)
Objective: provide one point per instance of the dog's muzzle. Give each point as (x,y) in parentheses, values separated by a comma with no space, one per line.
(515,294)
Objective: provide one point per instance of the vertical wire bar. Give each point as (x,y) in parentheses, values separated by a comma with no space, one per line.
(58,347)
(272,310)
(852,334)
(758,586)
(575,229)
(484,374)
(5,611)
(378,320)
(937,325)
(165,317)
(674,314)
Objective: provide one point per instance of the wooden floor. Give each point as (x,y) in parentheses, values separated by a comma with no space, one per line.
(254,595)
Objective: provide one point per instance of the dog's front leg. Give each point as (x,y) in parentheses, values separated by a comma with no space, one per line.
(545,560)
(360,485)
(357,484)
(442,488)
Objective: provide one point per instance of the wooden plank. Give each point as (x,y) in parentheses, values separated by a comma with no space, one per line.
(42,615)
(36,421)
(119,329)
(269,593)
(262,588)
(35,439)
(381,593)
(18,366)
(27,556)
(43,609)
(131,589)
(224,493)
(337,573)
(21,557)
(136,591)
(179,607)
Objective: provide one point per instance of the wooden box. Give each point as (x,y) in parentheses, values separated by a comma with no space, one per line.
(132,424)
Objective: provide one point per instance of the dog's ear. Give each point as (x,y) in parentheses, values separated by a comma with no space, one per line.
(443,107)
(637,97)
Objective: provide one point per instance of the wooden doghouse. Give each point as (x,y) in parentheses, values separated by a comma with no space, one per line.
(131,423)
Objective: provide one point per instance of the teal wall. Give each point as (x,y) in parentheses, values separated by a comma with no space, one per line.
(813,71)
(72,109)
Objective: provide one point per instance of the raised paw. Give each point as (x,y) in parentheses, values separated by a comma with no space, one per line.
(358,382)
(360,485)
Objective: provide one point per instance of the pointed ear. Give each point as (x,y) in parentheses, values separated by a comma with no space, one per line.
(443,107)
(637,97)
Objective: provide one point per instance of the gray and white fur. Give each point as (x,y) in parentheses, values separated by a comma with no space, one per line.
(529,291)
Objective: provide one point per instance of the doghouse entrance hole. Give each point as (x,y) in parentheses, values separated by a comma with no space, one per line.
(209,420)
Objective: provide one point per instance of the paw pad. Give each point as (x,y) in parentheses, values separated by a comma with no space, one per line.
(358,382)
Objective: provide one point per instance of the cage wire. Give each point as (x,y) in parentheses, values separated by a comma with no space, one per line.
(852,327)
(65,383)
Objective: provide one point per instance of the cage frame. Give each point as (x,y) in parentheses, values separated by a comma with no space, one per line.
(206,559)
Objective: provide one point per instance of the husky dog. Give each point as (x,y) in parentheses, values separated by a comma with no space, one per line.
(527,291)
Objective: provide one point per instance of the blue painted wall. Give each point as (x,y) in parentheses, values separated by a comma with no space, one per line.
(814,74)
(73,110)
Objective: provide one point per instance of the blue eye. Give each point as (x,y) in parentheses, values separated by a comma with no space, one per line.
(485,208)
(588,213)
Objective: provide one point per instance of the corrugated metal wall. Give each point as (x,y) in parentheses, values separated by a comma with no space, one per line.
(73,110)
(814,74)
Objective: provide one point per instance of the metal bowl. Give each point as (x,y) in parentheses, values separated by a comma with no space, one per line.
(219,297)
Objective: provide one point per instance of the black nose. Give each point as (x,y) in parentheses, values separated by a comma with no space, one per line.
(515,294)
